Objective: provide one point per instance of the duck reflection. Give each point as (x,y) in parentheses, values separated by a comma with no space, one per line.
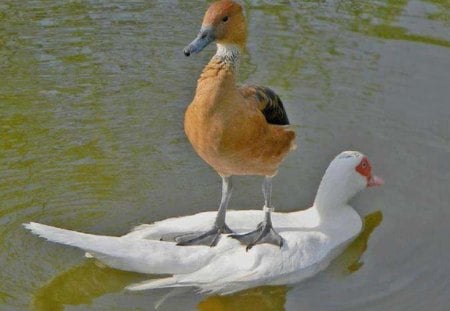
(81,285)
(263,298)
(350,260)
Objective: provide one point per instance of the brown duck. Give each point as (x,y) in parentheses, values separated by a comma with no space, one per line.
(236,130)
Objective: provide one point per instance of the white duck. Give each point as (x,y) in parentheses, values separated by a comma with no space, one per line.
(312,237)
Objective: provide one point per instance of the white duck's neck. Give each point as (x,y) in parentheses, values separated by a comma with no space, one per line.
(332,196)
(328,202)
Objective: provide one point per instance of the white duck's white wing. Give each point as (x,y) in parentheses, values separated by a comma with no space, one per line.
(205,279)
(138,255)
(232,260)
(272,265)
(238,269)
(176,225)
(239,221)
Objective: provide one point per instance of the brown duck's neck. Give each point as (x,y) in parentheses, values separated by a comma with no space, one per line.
(219,75)
(228,54)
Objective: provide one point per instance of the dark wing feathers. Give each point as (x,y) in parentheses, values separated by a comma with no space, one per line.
(267,101)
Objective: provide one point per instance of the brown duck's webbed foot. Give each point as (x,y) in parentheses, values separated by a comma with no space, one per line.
(264,233)
(212,236)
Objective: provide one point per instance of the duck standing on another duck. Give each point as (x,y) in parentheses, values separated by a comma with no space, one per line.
(313,237)
(237,131)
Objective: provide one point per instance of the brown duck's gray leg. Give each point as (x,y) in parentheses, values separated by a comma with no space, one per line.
(264,232)
(212,236)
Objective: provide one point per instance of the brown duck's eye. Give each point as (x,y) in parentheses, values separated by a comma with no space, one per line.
(225,18)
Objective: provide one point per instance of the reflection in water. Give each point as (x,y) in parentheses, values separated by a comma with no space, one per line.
(366,12)
(84,283)
(81,285)
(349,261)
(442,11)
(265,298)
(3,296)
(401,33)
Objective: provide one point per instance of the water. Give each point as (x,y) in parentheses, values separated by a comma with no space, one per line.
(92,95)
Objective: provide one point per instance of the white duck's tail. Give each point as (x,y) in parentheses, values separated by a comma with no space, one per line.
(153,284)
(68,237)
(175,281)
(130,254)
(178,281)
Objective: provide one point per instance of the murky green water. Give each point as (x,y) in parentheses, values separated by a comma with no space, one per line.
(92,95)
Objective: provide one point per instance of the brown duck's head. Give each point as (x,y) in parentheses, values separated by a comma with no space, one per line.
(224,23)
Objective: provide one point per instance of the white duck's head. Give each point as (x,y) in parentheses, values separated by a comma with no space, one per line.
(348,173)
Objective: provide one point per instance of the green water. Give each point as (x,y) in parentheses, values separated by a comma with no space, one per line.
(92,96)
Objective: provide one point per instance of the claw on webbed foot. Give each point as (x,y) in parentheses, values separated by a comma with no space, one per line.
(208,238)
(263,234)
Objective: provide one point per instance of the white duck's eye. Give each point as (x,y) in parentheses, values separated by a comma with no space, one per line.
(364,164)
(225,19)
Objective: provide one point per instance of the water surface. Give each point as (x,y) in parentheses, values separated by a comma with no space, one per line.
(92,96)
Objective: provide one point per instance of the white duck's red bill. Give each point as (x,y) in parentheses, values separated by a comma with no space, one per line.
(375,181)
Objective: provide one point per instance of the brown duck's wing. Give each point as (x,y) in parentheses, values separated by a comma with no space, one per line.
(267,101)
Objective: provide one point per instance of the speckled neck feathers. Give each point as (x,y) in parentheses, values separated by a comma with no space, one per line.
(222,68)
(228,54)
